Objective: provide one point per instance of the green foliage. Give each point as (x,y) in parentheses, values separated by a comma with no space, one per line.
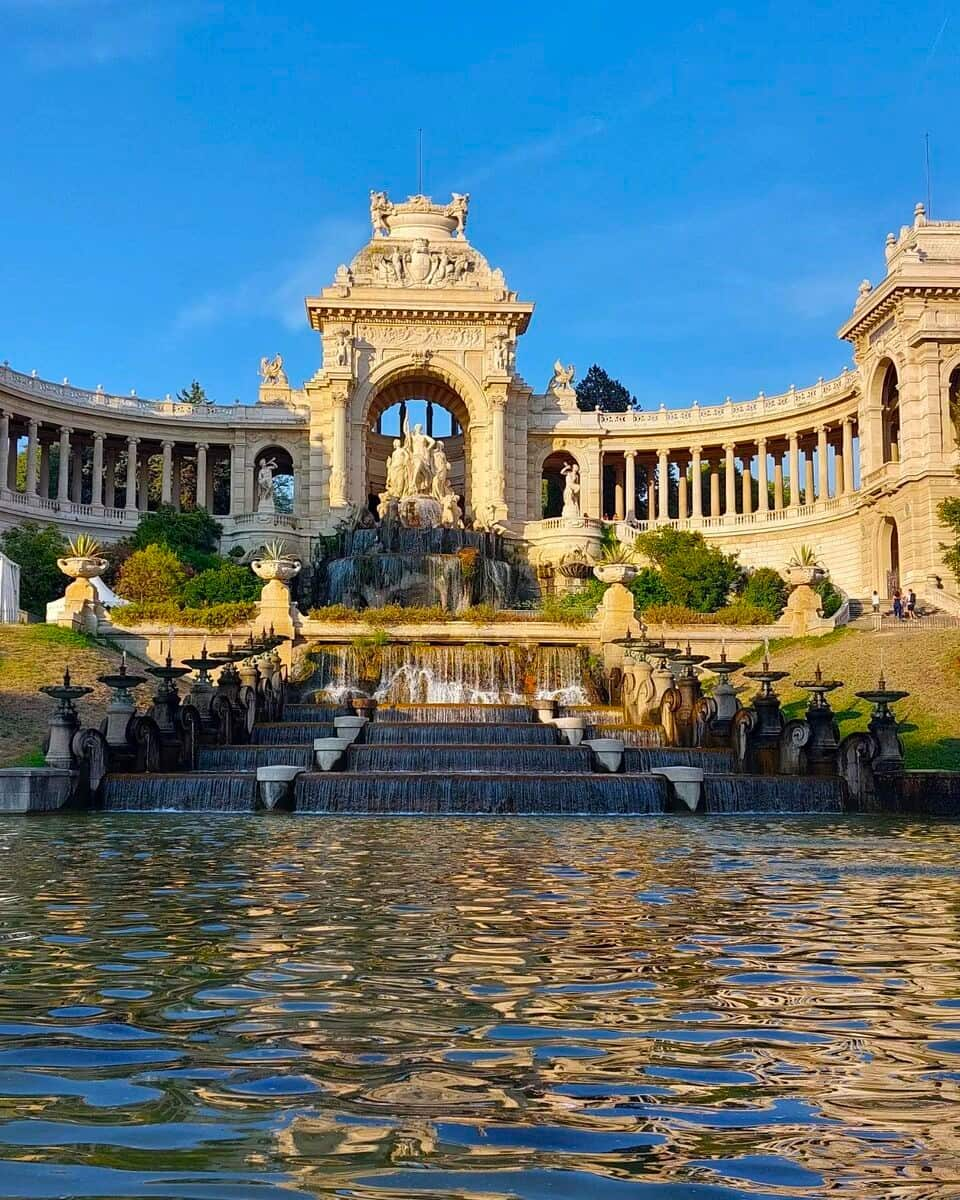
(830,599)
(116,554)
(193,536)
(597,391)
(737,613)
(194,394)
(742,612)
(949,513)
(151,574)
(766,589)
(84,546)
(575,608)
(804,556)
(216,617)
(694,575)
(36,548)
(225,583)
(648,588)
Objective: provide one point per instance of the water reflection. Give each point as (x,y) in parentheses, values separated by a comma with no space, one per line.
(235,1007)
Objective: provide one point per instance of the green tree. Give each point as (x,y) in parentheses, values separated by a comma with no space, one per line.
(151,574)
(194,394)
(36,548)
(193,535)
(597,391)
(648,589)
(694,574)
(949,510)
(766,589)
(225,583)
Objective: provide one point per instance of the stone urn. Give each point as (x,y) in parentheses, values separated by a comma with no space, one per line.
(622,573)
(82,566)
(803,576)
(281,570)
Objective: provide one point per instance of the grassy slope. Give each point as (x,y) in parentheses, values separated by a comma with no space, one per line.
(925,664)
(32,656)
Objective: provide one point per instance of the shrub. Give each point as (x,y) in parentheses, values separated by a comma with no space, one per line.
(830,599)
(36,548)
(695,575)
(223,584)
(648,588)
(116,554)
(152,574)
(215,617)
(737,613)
(742,612)
(766,589)
(574,608)
(192,535)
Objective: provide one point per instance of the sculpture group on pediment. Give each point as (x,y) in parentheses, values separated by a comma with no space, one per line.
(272,373)
(562,380)
(457,208)
(380,209)
(419,266)
(418,486)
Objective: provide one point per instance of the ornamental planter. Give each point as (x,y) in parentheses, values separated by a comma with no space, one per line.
(82,566)
(281,569)
(800,576)
(615,572)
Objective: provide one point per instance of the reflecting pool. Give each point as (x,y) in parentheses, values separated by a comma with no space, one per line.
(230,1008)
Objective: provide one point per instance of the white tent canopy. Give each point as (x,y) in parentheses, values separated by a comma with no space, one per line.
(9,591)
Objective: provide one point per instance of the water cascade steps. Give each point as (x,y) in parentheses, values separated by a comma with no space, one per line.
(465,758)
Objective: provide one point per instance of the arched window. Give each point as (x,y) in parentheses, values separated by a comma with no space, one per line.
(890,405)
(275,461)
(953,396)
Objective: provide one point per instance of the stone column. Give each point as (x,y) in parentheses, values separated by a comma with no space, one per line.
(746,465)
(32,446)
(839,469)
(201,496)
(130,501)
(794,471)
(96,478)
(696,482)
(714,488)
(4,443)
(823,464)
(166,474)
(45,470)
(763,481)
(498,413)
(730,481)
(63,472)
(778,481)
(682,502)
(630,458)
(847,455)
(651,492)
(618,487)
(76,475)
(338,456)
(808,496)
(663,484)
(110,478)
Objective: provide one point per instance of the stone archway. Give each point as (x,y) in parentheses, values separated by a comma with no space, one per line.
(284,482)
(888,557)
(552,481)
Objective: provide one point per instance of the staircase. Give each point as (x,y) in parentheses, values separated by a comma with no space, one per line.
(468,759)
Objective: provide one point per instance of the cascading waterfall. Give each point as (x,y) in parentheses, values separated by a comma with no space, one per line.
(196,792)
(248,758)
(645,759)
(473,760)
(289,733)
(386,732)
(434,714)
(772,794)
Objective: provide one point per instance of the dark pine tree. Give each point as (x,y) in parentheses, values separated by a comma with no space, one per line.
(194,394)
(596,390)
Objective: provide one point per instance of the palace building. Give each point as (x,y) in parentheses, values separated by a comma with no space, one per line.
(853,466)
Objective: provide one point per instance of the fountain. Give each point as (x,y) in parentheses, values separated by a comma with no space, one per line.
(756,730)
(722,705)
(883,726)
(122,706)
(688,685)
(166,700)
(202,691)
(65,721)
(823,740)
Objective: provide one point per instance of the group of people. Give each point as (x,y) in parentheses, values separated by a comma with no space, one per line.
(904,607)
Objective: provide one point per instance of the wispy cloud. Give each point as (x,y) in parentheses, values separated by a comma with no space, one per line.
(277,292)
(53,34)
(538,150)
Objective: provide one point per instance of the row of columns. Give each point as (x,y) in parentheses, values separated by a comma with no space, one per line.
(816,481)
(104,463)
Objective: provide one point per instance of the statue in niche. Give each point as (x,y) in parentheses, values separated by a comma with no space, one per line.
(457,208)
(265,472)
(562,380)
(571,491)
(272,373)
(380,209)
(344,347)
(441,473)
(421,461)
(501,352)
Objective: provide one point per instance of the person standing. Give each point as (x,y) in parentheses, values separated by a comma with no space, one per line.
(875,602)
(898,604)
(912,605)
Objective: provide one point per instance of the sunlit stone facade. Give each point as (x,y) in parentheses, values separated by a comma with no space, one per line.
(853,466)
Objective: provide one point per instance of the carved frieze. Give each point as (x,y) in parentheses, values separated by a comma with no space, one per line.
(435,337)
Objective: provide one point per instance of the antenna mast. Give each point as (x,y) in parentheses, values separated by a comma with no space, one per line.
(419,162)
(926,142)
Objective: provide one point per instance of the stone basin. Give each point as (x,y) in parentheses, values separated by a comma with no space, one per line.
(349,728)
(571,728)
(608,752)
(328,751)
(275,784)
(687,783)
(35,789)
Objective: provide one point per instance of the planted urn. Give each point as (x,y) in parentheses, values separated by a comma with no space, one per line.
(276,563)
(84,560)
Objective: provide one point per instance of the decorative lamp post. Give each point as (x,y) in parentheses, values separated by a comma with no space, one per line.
(65,721)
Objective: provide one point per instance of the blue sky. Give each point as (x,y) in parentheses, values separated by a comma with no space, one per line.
(690,195)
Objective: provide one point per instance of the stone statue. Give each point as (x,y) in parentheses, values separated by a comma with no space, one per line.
(501,352)
(380,209)
(272,372)
(562,380)
(441,473)
(398,470)
(451,515)
(344,347)
(265,472)
(457,208)
(571,491)
(420,482)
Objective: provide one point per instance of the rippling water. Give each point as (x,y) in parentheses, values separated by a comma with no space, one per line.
(239,1007)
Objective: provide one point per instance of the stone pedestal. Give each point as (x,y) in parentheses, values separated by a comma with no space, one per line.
(616,619)
(277,610)
(802,613)
(81,608)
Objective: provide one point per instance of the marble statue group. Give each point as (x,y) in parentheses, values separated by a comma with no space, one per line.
(418,488)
